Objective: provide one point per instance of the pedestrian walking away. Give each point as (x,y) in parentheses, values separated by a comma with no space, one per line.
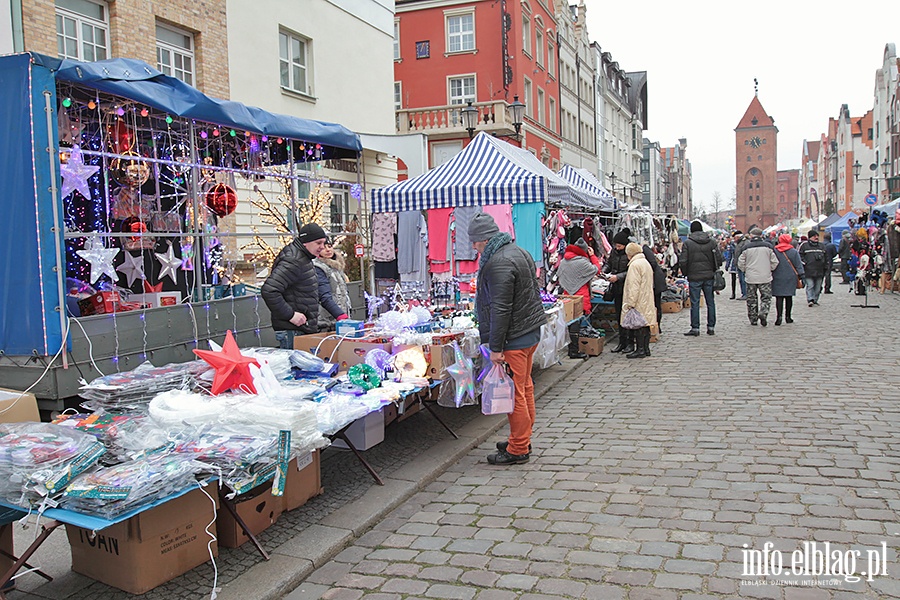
(757,260)
(845,251)
(699,261)
(785,278)
(510,315)
(812,253)
(830,253)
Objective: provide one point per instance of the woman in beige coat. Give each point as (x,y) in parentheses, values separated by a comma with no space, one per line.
(639,295)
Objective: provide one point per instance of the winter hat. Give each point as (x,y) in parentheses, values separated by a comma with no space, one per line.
(737,233)
(483,227)
(696,226)
(812,234)
(310,233)
(622,237)
(631,249)
(756,231)
(582,244)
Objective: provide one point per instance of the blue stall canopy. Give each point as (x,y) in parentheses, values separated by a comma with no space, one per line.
(828,221)
(136,80)
(487,171)
(583,179)
(838,227)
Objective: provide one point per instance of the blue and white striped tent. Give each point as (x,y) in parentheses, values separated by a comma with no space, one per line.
(487,171)
(584,180)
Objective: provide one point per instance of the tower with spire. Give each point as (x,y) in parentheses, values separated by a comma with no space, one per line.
(756,166)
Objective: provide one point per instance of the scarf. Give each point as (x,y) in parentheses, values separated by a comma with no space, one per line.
(784,243)
(336,263)
(575,272)
(494,244)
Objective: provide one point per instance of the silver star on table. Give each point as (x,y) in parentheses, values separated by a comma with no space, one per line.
(132,268)
(100,257)
(170,264)
(75,174)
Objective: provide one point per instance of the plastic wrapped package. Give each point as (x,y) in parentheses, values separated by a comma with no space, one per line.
(133,390)
(338,410)
(281,360)
(122,435)
(111,491)
(40,459)
(554,339)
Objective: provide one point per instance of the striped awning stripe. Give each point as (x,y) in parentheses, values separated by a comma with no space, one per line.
(584,180)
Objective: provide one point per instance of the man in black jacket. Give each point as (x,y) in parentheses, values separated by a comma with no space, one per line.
(698,262)
(510,315)
(845,251)
(812,253)
(292,290)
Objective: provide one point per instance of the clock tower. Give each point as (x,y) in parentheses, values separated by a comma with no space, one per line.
(756,168)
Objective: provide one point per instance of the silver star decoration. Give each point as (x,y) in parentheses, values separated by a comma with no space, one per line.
(170,264)
(75,174)
(132,268)
(101,259)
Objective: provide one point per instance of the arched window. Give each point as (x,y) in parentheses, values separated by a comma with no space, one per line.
(750,208)
(751,185)
(757,185)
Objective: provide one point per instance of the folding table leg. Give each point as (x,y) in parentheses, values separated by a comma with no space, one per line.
(46,529)
(439,419)
(229,506)
(341,435)
(26,565)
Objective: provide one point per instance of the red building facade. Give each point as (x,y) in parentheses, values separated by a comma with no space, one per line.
(447,54)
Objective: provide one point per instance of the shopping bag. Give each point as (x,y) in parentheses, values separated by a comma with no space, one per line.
(499,392)
(719,281)
(633,319)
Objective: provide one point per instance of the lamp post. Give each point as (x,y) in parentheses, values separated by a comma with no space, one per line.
(884,172)
(517,112)
(469,116)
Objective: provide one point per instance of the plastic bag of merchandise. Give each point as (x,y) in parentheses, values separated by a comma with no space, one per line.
(40,459)
(499,393)
(554,338)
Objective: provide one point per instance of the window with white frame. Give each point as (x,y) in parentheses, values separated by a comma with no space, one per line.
(462,89)
(396,39)
(175,53)
(551,58)
(295,61)
(538,42)
(398,95)
(340,208)
(552,115)
(461,32)
(540,106)
(529,101)
(526,33)
(82,30)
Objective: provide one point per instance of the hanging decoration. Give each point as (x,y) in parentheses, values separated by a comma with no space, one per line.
(100,257)
(149,288)
(365,376)
(129,172)
(221,199)
(411,363)
(170,264)
(463,377)
(232,367)
(132,268)
(120,137)
(75,174)
(313,209)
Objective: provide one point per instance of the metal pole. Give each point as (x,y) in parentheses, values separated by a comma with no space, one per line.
(199,242)
(60,267)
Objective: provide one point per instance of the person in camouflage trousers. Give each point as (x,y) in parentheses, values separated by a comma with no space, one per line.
(757,261)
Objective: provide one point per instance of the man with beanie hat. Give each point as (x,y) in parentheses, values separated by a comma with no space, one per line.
(757,261)
(615,270)
(292,290)
(812,253)
(699,261)
(510,315)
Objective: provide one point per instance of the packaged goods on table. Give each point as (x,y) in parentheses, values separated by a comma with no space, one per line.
(133,390)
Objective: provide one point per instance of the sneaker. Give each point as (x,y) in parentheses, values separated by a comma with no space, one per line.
(693,332)
(753,323)
(502,446)
(815,302)
(763,322)
(502,457)
(742,298)
(710,331)
(811,304)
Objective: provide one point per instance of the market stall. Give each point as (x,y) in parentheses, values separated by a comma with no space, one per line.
(130,220)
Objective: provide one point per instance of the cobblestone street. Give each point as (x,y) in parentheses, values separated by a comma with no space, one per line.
(656,478)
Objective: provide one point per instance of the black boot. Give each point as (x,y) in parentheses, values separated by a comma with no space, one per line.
(640,351)
(647,340)
(624,341)
(574,351)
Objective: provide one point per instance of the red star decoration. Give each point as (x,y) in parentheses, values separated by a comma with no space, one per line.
(152,289)
(232,367)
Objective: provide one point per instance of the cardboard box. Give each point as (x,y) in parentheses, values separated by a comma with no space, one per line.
(148,549)
(365,432)
(258,508)
(16,407)
(573,307)
(101,303)
(671,307)
(686,303)
(157,299)
(304,480)
(349,352)
(591,346)
(654,332)
(390,413)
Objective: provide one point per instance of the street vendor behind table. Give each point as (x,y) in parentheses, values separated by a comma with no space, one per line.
(293,289)
(510,316)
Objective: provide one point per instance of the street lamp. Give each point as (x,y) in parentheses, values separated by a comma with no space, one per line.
(469,116)
(517,112)
(884,171)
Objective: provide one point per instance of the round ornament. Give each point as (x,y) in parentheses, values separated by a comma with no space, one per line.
(221,199)
(364,376)
(129,173)
(411,362)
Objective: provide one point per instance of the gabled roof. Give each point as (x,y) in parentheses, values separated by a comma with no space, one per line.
(756,116)
(812,150)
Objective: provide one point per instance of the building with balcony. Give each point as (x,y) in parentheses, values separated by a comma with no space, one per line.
(449,54)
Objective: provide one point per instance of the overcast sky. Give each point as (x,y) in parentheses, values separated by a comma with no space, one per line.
(701,58)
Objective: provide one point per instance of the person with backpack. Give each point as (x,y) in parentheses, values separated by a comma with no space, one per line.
(812,253)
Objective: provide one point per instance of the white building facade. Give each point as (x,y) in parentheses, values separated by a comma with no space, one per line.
(577,116)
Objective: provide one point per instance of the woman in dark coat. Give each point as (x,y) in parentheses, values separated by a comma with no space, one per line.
(784,278)
(616,268)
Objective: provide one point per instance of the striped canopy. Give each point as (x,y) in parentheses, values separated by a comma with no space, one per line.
(487,171)
(584,180)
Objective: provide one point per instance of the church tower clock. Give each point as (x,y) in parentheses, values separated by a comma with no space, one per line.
(756,168)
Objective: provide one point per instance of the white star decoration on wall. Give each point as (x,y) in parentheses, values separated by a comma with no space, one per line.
(170,264)
(75,174)
(132,268)
(101,259)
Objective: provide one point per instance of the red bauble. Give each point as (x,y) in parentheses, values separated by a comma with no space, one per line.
(119,137)
(221,199)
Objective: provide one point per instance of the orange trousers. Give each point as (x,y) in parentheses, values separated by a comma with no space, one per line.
(521,419)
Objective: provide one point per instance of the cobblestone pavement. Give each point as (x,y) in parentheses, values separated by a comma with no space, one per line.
(654,478)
